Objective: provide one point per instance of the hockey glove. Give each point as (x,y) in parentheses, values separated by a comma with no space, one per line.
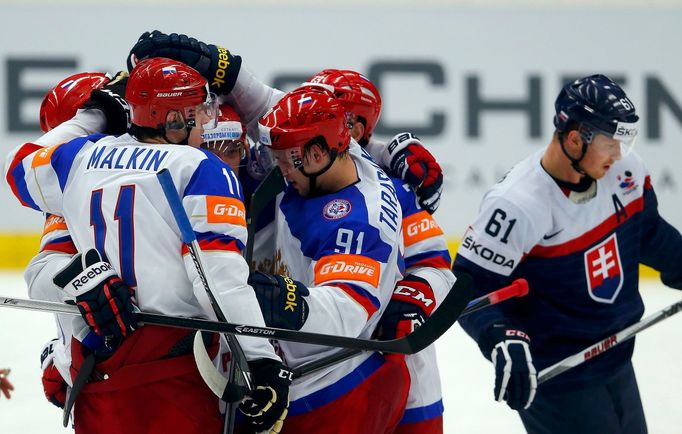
(413,163)
(411,303)
(54,385)
(266,407)
(110,100)
(281,300)
(5,386)
(104,300)
(515,375)
(216,64)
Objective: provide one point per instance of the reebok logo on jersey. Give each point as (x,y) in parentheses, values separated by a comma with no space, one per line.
(347,267)
(220,209)
(418,227)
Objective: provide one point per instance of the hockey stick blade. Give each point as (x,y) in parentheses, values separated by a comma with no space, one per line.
(607,343)
(518,288)
(218,384)
(442,318)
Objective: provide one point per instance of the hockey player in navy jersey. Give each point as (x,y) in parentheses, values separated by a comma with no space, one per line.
(139,371)
(575,219)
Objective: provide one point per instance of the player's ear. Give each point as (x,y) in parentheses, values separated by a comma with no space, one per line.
(573,140)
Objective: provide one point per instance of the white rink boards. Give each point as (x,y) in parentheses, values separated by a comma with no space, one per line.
(467,376)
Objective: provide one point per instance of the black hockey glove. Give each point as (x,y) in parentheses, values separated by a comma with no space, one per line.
(111,101)
(216,64)
(266,407)
(515,375)
(104,300)
(281,300)
(414,164)
(411,303)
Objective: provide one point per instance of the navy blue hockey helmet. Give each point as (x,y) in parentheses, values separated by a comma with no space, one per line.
(600,103)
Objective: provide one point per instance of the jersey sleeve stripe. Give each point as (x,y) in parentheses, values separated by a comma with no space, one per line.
(414,415)
(370,303)
(436,259)
(589,238)
(61,244)
(16,175)
(62,157)
(211,241)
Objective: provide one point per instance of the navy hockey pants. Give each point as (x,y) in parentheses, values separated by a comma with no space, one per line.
(614,408)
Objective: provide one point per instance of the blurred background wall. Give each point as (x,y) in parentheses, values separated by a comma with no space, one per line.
(475,80)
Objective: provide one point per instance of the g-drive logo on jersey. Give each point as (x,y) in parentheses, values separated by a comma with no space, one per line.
(604,271)
(347,267)
(229,210)
(336,209)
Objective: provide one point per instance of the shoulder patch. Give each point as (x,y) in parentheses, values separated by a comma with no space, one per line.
(336,209)
(43,156)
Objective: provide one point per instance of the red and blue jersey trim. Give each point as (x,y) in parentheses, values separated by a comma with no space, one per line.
(420,414)
(334,391)
(209,241)
(62,244)
(363,297)
(16,176)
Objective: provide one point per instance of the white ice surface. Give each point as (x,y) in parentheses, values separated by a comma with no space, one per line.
(467,376)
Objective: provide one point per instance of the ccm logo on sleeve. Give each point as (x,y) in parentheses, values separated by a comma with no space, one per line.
(225,210)
(347,267)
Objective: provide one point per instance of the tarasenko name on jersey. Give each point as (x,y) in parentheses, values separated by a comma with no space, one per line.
(126,157)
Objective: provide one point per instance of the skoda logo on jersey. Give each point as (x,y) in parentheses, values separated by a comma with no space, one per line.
(626,182)
(336,209)
(604,271)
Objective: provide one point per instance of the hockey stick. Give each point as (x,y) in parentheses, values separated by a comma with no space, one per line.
(267,191)
(518,288)
(608,343)
(437,324)
(190,240)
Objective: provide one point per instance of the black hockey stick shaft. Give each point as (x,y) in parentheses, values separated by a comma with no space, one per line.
(607,343)
(441,320)
(190,240)
(518,288)
(266,192)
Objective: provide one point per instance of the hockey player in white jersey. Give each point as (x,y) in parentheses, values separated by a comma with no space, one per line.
(427,261)
(338,232)
(575,219)
(106,189)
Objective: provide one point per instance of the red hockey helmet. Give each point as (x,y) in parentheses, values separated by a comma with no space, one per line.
(61,103)
(299,117)
(159,86)
(358,94)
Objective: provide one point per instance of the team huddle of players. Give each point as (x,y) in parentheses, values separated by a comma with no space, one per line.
(349,248)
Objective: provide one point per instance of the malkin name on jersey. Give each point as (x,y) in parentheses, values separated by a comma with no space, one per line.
(126,157)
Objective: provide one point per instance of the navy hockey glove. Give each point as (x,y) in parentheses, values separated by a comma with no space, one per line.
(110,100)
(104,300)
(414,164)
(216,64)
(515,375)
(54,385)
(281,300)
(411,303)
(266,407)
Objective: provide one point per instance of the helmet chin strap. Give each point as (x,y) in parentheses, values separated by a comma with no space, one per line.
(314,189)
(575,162)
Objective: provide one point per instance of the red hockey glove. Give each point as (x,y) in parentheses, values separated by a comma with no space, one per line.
(412,302)
(415,165)
(54,385)
(104,300)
